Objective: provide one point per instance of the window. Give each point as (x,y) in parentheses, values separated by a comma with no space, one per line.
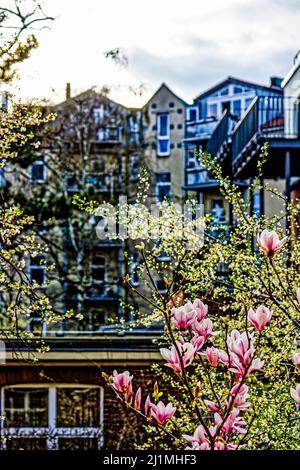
(171,104)
(213,110)
(237,108)
(161,286)
(256,204)
(38,417)
(153,105)
(192,160)
(134,275)
(197,177)
(179,126)
(2,178)
(37,269)
(163,135)
(192,114)
(38,171)
(248,101)
(98,114)
(217,211)
(98,268)
(237,90)
(163,186)
(179,110)
(109,134)
(225,105)
(135,167)
(224,91)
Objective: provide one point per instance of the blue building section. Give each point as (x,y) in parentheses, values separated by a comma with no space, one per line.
(215,113)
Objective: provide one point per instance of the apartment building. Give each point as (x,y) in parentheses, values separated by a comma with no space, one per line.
(94,150)
(214,113)
(163,118)
(273,118)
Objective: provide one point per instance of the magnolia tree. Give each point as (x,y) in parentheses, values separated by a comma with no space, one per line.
(230,335)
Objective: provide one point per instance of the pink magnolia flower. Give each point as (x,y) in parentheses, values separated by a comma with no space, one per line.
(137,399)
(295,394)
(211,405)
(232,424)
(260,317)
(147,405)
(183,316)
(197,446)
(200,309)
(240,346)
(269,242)
(222,446)
(123,383)
(199,436)
(212,355)
(240,394)
(186,353)
(162,413)
(296,358)
(241,351)
(197,342)
(204,328)
(298,295)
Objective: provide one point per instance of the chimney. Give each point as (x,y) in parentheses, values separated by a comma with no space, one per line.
(275,82)
(68,91)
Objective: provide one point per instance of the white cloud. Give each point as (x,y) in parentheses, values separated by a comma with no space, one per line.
(190,45)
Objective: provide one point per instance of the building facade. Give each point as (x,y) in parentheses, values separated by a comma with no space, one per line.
(214,113)
(163,117)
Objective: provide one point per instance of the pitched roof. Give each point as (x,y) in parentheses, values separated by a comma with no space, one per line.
(290,74)
(238,81)
(90,93)
(164,85)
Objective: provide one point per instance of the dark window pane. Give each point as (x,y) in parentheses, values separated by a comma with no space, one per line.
(163,125)
(26,443)
(163,177)
(38,171)
(85,406)
(163,146)
(77,443)
(192,114)
(26,407)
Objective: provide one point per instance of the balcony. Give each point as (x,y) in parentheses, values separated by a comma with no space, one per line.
(197,131)
(268,119)
(100,182)
(109,135)
(219,145)
(198,178)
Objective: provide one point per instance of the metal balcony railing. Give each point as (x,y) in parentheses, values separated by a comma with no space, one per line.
(110,134)
(198,130)
(268,117)
(101,182)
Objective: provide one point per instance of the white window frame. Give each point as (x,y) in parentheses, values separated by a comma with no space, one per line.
(43,164)
(163,137)
(52,430)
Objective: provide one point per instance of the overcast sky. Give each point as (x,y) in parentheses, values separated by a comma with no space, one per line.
(190,45)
